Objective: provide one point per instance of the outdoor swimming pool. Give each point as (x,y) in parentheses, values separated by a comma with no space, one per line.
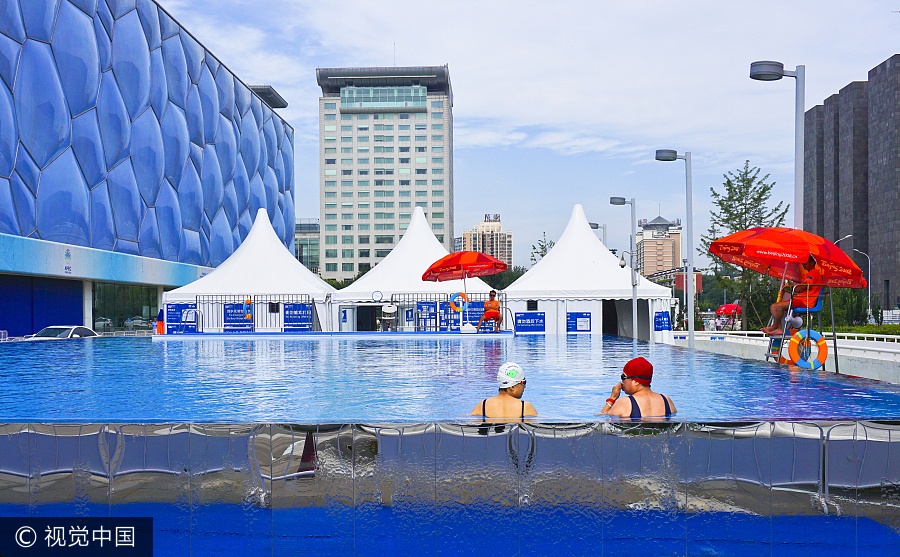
(363,378)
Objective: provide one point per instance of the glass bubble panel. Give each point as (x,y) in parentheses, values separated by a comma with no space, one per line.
(44,124)
(24,203)
(115,125)
(103,228)
(38,17)
(8,223)
(149,14)
(190,198)
(177,81)
(63,203)
(131,63)
(126,201)
(209,105)
(149,235)
(211,179)
(77,57)
(88,147)
(147,155)
(175,143)
(168,214)
(9,60)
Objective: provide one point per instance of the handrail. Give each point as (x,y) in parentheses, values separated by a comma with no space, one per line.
(512,319)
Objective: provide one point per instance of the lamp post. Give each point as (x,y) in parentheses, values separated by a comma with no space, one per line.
(671,155)
(868,282)
(634,281)
(767,70)
(596,226)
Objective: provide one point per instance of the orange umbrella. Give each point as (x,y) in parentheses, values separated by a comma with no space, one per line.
(729,309)
(463,264)
(779,252)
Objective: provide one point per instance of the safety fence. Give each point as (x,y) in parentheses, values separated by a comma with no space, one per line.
(441,312)
(228,313)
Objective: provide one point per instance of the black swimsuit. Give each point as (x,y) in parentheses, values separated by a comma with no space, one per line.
(484,414)
(636,410)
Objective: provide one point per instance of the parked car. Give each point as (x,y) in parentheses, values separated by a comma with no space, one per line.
(102,324)
(136,322)
(57,332)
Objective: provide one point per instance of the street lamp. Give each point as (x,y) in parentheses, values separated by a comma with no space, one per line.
(596,226)
(767,70)
(842,239)
(868,282)
(671,155)
(634,280)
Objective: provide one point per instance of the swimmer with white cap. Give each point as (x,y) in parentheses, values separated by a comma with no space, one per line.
(508,403)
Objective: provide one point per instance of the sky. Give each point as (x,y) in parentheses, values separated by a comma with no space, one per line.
(560,103)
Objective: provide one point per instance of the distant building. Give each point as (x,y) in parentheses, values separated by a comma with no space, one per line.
(852,175)
(306,243)
(658,246)
(489,237)
(385,147)
(457,244)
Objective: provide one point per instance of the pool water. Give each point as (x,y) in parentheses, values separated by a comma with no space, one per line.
(367,379)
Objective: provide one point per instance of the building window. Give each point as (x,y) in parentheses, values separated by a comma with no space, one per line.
(346,128)
(421,127)
(440,238)
(421,138)
(331,267)
(347,172)
(384,193)
(437,170)
(404,204)
(362,150)
(346,139)
(437,149)
(364,267)
(330,227)
(330,216)
(384,205)
(437,182)
(403,128)
(437,137)
(421,193)
(347,239)
(384,226)
(330,183)
(362,253)
(384,216)
(330,161)
(382,252)
(330,150)
(403,138)
(421,160)
(437,215)
(362,239)
(384,239)
(437,160)
(421,183)
(346,267)
(437,193)
(363,139)
(405,193)
(363,171)
(384,160)
(403,149)
(404,116)
(330,139)
(421,204)
(330,194)
(346,116)
(362,184)
(437,104)
(437,226)
(403,171)
(363,205)
(403,160)
(362,128)
(346,227)
(364,226)
(346,161)
(421,149)
(330,106)
(346,150)
(436,127)
(437,115)
(332,128)
(346,254)
(362,161)
(405,215)
(331,239)
(404,183)
(362,116)
(331,117)
(437,203)
(362,194)
(332,253)
(346,183)
(421,171)
(362,216)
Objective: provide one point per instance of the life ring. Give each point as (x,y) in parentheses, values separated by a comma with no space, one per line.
(465,304)
(248,309)
(802,359)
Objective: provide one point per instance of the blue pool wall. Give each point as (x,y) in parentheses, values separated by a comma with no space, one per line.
(38,302)
(120,131)
(766,488)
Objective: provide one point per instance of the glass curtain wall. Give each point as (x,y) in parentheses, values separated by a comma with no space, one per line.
(124,307)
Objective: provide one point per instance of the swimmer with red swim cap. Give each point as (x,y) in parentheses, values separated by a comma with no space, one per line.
(641,401)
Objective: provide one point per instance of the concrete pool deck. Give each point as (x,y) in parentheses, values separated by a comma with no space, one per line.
(869,356)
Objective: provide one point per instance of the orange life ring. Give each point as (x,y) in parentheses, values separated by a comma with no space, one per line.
(465,304)
(801,359)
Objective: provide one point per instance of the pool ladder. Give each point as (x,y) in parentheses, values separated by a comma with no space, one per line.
(188,313)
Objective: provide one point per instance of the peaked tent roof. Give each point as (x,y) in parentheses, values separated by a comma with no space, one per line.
(401,271)
(260,265)
(580,267)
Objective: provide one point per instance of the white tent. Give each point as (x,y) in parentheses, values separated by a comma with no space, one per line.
(401,271)
(261,266)
(572,281)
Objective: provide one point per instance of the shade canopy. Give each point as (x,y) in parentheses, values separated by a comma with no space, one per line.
(729,309)
(401,271)
(779,252)
(580,267)
(462,264)
(260,265)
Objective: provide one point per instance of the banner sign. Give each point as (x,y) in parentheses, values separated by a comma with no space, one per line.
(173,319)
(298,318)
(235,319)
(578,322)
(531,322)
(661,321)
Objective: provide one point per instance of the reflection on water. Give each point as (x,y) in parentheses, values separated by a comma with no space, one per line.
(370,379)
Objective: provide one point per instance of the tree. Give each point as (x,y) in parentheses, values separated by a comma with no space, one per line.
(504,279)
(541,249)
(744,204)
(339,284)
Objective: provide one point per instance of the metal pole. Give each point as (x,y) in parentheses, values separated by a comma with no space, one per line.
(868,281)
(690,250)
(634,319)
(799,126)
(603,226)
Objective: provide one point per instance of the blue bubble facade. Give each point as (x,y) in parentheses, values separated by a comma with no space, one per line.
(119,131)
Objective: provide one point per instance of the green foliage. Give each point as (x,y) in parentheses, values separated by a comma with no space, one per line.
(743,204)
(339,284)
(504,279)
(871,329)
(541,249)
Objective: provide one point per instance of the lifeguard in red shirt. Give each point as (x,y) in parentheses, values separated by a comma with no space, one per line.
(805,296)
(491,311)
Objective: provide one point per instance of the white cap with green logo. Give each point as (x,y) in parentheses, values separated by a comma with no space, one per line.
(510,374)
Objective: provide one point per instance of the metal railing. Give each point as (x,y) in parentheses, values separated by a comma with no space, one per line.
(229,313)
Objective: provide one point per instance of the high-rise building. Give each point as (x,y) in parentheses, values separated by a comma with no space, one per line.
(658,246)
(489,237)
(306,243)
(385,147)
(852,175)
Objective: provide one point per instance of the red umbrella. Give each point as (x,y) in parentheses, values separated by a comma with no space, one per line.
(779,252)
(729,309)
(462,264)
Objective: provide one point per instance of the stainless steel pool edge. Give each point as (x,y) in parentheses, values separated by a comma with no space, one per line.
(338,335)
